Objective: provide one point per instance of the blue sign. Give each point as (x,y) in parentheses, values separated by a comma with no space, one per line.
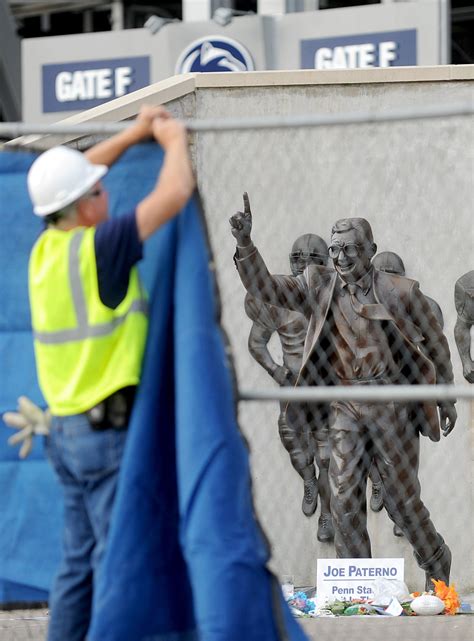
(75,86)
(214,53)
(386,49)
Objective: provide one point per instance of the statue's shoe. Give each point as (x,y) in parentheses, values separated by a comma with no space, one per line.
(310,497)
(325,529)
(376,500)
(438,569)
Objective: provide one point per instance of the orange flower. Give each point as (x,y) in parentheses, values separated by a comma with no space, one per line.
(448,595)
(415,594)
(441,589)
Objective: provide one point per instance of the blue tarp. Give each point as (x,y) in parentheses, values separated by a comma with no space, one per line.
(186,558)
(31,503)
(30,506)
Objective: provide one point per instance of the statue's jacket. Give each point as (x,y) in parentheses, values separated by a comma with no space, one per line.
(415,336)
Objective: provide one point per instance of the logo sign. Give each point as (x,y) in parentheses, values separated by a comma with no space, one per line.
(387,49)
(81,85)
(346,579)
(214,53)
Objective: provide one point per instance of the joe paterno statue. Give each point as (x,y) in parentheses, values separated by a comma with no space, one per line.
(364,329)
(302,443)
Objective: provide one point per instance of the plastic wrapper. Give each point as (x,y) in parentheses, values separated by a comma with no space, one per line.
(384,590)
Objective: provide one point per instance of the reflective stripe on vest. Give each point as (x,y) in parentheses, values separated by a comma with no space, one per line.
(83,329)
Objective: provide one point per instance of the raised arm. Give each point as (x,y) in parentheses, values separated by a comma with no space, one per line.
(283,291)
(175,183)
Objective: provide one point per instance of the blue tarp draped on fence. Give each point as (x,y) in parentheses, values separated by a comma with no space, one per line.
(31,502)
(186,559)
(30,505)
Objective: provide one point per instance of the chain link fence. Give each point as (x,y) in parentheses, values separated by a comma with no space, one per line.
(410,177)
(366,222)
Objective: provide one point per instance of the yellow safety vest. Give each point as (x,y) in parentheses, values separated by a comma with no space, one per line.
(84,350)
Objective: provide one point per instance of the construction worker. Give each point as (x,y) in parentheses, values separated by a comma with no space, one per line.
(90,324)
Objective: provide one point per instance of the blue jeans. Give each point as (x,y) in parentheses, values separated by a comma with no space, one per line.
(87,464)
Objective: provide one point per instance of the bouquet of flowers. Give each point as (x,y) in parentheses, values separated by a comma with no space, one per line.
(449,596)
(301,602)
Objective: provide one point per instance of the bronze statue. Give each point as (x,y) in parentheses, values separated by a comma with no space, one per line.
(391,263)
(303,446)
(464,301)
(364,328)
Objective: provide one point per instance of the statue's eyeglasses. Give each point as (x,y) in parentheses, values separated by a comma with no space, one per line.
(351,250)
(301,255)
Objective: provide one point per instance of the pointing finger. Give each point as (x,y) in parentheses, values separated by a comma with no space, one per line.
(246,204)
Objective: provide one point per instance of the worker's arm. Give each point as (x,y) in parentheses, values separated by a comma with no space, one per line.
(176,180)
(110,150)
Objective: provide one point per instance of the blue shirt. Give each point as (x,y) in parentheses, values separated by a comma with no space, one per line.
(117,248)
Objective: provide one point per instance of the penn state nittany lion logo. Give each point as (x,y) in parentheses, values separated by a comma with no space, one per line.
(214,53)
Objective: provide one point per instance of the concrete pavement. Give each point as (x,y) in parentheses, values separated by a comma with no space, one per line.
(23,625)
(379,628)
(30,625)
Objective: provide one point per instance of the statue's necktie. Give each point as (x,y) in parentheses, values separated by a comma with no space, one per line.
(356,306)
(371,311)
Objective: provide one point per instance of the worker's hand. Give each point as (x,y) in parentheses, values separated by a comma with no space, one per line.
(448,417)
(241,224)
(143,125)
(30,420)
(167,131)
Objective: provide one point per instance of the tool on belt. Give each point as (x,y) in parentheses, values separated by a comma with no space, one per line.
(114,411)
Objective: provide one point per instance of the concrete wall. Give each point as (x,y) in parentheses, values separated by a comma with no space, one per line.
(412,180)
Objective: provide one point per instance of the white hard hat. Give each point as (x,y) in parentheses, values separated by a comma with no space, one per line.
(59,177)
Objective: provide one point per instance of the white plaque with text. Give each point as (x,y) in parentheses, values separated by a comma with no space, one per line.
(347,579)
